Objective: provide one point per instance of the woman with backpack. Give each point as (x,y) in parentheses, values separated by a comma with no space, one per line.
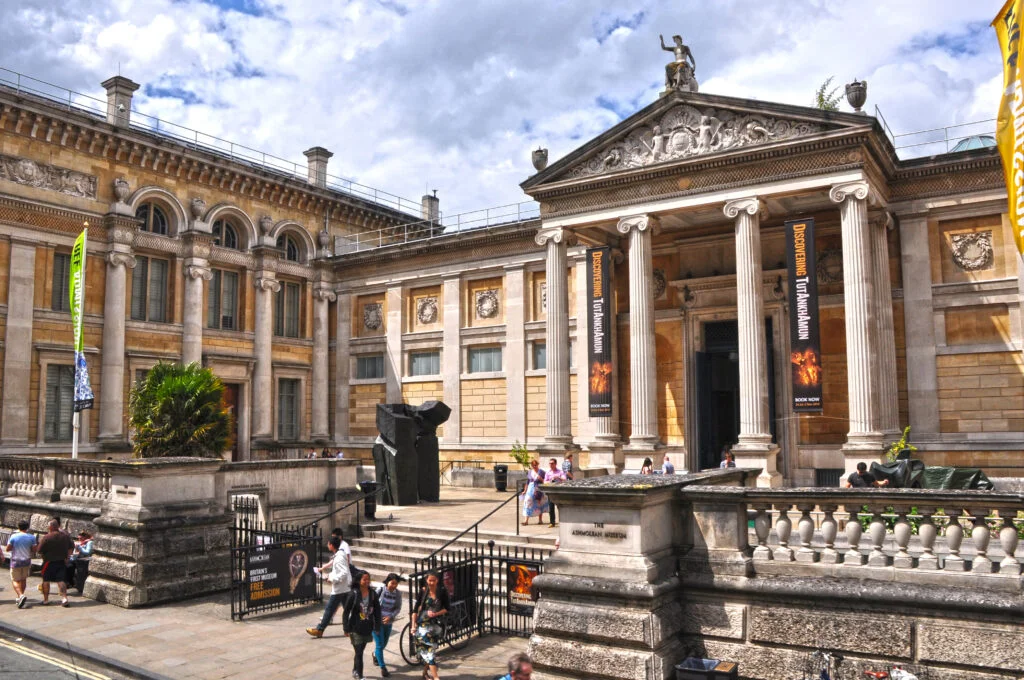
(390,607)
(362,620)
(432,604)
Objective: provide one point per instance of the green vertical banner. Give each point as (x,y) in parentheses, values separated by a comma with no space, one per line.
(76,282)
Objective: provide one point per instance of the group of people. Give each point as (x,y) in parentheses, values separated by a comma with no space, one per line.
(326,453)
(667,468)
(534,501)
(63,560)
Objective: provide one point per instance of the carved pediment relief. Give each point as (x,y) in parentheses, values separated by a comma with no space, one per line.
(686,131)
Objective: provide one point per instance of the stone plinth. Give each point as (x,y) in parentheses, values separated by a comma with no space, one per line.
(163,535)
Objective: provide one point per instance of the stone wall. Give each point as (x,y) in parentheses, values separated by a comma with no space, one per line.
(981,392)
(483,408)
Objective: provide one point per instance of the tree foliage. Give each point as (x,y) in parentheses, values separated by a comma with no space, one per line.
(179,411)
(826,99)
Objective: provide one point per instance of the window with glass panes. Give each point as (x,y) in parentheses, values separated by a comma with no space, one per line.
(149,289)
(287,409)
(370,366)
(152,218)
(60,394)
(222,301)
(484,359)
(540,356)
(424,363)
(286,310)
(60,297)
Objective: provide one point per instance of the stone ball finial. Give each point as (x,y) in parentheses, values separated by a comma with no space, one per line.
(266,224)
(540,159)
(323,238)
(857,94)
(121,189)
(198,207)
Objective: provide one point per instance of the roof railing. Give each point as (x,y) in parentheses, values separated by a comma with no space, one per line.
(935,140)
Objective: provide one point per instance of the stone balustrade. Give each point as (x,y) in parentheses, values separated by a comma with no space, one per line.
(21,477)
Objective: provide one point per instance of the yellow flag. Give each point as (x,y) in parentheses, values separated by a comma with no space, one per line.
(1010,124)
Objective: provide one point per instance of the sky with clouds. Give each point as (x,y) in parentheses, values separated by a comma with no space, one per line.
(453,94)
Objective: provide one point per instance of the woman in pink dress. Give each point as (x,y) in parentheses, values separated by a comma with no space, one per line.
(535,502)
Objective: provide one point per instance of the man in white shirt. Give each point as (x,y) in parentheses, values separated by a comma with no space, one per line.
(337,573)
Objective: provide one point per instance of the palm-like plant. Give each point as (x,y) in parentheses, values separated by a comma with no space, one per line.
(825,99)
(179,411)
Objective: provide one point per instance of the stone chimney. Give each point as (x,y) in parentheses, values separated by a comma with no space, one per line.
(119,99)
(317,157)
(430,207)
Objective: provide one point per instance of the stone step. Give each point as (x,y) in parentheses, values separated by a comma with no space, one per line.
(426,530)
(420,542)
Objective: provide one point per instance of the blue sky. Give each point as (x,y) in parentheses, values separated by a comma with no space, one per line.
(453,95)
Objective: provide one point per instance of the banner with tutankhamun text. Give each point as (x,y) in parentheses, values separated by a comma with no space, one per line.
(599,331)
(805,357)
(1010,121)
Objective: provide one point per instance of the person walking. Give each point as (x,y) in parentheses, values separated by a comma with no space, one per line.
(362,621)
(390,607)
(337,573)
(55,548)
(534,500)
(20,548)
(553,476)
(432,604)
(520,667)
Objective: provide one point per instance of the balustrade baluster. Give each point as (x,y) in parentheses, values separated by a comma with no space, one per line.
(876,532)
(901,531)
(762,527)
(854,530)
(829,528)
(926,531)
(1008,539)
(980,535)
(805,528)
(783,527)
(954,537)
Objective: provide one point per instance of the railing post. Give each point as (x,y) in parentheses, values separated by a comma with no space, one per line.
(1008,540)
(980,535)
(926,531)
(954,537)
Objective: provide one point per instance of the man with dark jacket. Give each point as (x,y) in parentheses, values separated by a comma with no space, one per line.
(55,548)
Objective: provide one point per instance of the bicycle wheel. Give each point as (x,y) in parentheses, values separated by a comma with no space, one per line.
(407,645)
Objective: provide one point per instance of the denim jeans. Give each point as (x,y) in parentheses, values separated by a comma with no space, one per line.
(380,640)
(333,602)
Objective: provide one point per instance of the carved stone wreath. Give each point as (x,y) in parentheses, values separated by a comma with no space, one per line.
(660,283)
(42,176)
(487,304)
(426,310)
(685,131)
(830,266)
(373,316)
(972,252)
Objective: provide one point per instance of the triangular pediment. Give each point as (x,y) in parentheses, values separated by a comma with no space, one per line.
(680,127)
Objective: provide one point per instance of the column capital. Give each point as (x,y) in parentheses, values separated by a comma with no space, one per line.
(117,258)
(267,283)
(859,190)
(882,219)
(324,294)
(553,234)
(198,271)
(752,205)
(639,223)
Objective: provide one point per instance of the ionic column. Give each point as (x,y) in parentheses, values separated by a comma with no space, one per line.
(643,362)
(342,368)
(262,375)
(395,303)
(322,297)
(197,270)
(887,396)
(754,447)
(515,351)
(119,259)
(559,425)
(18,343)
(865,438)
(451,356)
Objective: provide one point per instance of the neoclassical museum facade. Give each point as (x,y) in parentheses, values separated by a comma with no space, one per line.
(196,255)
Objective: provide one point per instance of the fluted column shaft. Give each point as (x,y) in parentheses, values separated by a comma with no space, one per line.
(887,389)
(262,375)
(643,362)
(559,425)
(858,292)
(342,367)
(197,270)
(112,364)
(322,297)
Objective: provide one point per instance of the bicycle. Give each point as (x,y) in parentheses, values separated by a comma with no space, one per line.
(455,631)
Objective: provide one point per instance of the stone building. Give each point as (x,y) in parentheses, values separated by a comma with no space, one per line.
(199,254)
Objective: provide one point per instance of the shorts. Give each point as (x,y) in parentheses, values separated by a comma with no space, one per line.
(55,572)
(20,573)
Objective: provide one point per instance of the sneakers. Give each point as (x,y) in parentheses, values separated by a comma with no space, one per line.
(356,675)
(21,601)
(373,658)
(385,672)
(65,603)
(315,632)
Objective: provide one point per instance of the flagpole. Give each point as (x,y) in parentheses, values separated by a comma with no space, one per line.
(74,435)
(77,294)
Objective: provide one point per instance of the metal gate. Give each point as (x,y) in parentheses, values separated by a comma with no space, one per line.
(272,566)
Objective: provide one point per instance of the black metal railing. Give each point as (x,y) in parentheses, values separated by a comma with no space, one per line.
(355,502)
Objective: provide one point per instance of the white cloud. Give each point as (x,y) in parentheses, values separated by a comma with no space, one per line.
(453,95)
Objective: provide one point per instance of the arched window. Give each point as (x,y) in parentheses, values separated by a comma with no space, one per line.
(153,218)
(289,246)
(225,234)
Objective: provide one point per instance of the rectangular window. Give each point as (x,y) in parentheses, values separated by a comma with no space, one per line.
(370,367)
(540,356)
(222,301)
(60,297)
(286,310)
(60,393)
(149,289)
(287,409)
(425,363)
(484,359)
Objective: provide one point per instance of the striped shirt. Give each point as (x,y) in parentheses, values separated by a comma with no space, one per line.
(390,602)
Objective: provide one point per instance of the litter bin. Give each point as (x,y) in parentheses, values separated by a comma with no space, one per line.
(370,502)
(707,669)
(501,477)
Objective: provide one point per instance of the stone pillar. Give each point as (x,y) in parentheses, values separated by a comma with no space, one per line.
(18,343)
(322,297)
(864,441)
(451,357)
(197,270)
(643,392)
(395,303)
(263,372)
(754,447)
(515,351)
(887,391)
(558,436)
(919,326)
(120,258)
(342,367)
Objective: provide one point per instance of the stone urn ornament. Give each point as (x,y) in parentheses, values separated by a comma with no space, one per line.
(121,189)
(198,207)
(857,94)
(266,224)
(540,158)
